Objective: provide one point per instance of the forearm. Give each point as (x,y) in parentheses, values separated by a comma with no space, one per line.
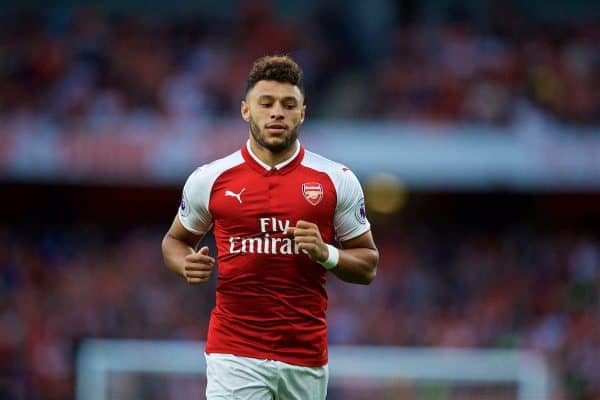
(174,252)
(357,265)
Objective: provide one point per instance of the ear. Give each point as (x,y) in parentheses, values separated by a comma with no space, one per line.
(302,113)
(245,111)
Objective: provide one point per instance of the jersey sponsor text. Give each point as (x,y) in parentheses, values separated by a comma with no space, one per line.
(268,243)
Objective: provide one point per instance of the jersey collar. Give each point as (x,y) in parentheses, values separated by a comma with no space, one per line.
(283,167)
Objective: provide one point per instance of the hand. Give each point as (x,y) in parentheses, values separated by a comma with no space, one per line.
(198,266)
(308,238)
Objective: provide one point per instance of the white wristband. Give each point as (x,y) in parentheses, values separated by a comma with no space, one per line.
(332,258)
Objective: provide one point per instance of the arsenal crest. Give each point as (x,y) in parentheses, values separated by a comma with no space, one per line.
(313,192)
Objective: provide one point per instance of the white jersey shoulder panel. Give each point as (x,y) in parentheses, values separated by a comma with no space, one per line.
(350,219)
(193,212)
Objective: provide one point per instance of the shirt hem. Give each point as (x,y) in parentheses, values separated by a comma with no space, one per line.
(354,234)
(184,224)
(300,362)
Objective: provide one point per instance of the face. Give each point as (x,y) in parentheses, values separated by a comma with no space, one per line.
(274,111)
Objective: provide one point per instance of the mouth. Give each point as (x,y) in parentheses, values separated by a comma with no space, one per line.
(276,128)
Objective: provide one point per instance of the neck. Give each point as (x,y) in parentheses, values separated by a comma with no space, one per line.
(270,158)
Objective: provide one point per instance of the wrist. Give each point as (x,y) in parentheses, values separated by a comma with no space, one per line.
(333,257)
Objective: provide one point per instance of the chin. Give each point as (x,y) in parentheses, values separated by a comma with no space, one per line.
(277,145)
(279,139)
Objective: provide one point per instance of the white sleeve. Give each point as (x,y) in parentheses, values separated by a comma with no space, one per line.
(350,218)
(193,211)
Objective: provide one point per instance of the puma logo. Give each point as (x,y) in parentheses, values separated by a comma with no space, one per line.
(229,193)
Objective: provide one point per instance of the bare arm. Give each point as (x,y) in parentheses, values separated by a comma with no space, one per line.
(178,249)
(358,260)
(358,257)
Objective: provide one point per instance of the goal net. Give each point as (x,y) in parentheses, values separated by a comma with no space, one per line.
(132,369)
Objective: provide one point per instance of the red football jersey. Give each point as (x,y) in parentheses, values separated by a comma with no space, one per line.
(271,298)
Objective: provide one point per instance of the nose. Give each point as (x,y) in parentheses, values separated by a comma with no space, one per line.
(277,111)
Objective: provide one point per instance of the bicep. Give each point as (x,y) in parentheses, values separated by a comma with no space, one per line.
(364,241)
(178,232)
(358,260)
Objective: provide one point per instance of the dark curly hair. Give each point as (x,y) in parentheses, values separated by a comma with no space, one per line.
(279,68)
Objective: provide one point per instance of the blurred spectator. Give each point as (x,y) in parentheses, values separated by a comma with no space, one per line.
(85,64)
(511,289)
(463,290)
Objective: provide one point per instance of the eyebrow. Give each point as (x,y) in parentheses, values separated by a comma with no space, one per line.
(270,98)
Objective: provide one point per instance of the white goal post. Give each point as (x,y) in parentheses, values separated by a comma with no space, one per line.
(526,370)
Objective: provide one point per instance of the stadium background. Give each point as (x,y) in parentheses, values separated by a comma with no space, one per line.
(474,127)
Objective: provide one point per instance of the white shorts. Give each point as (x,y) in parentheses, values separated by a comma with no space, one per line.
(232,377)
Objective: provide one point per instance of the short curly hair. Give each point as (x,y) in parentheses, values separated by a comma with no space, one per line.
(279,68)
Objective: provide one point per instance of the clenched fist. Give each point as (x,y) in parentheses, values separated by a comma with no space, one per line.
(198,266)
(308,238)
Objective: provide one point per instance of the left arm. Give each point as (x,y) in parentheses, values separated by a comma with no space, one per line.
(358,260)
(358,257)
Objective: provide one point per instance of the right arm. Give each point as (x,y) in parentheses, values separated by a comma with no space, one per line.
(178,249)
(189,226)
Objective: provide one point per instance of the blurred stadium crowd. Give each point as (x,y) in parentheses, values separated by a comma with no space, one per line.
(467,288)
(477,289)
(87,65)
